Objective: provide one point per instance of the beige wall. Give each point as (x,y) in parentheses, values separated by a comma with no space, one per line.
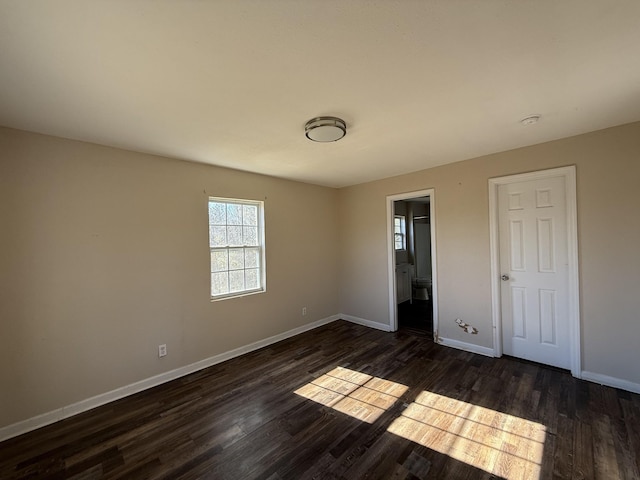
(104,255)
(608,176)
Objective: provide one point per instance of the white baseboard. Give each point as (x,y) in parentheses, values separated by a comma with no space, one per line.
(53,416)
(365,322)
(610,381)
(588,376)
(467,347)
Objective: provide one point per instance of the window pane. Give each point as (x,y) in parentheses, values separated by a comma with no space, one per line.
(252,276)
(236,281)
(250,215)
(234,236)
(236,258)
(234,214)
(237,252)
(219,260)
(250,235)
(217,213)
(219,283)
(251,257)
(217,236)
(399,241)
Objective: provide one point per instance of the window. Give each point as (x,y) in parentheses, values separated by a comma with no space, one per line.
(236,239)
(400,232)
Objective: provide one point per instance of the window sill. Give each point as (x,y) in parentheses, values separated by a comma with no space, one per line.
(237,295)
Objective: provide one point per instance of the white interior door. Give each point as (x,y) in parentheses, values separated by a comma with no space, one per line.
(534,269)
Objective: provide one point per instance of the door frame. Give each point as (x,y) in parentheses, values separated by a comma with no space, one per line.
(569,175)
(391,255)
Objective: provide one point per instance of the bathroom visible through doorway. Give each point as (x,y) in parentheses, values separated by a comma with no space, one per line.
(413,292)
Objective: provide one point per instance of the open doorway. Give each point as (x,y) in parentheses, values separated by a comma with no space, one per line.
(412,262)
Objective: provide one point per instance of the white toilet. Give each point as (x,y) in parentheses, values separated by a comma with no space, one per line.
(421,288)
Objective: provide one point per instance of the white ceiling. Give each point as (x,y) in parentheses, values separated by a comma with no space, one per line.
(232,83)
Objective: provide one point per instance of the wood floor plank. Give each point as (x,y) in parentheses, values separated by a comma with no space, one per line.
(604,453)
(439,413)
(583,464)
(564,449)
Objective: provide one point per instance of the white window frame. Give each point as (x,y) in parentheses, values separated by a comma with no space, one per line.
(402,232)
(261,247)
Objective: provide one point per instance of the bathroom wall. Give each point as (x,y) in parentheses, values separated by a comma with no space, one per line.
(421,239)
(423,249)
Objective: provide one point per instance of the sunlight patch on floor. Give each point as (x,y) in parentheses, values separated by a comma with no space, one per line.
(356,394)
(507,446)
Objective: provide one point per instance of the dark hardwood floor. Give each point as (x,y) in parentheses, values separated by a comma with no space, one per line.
(416,315)
(348,402)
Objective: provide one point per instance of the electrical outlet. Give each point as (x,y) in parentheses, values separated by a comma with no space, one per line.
(304,310)
(162,350)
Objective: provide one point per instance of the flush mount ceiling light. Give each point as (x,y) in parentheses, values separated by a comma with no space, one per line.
(325,129)
(530,120)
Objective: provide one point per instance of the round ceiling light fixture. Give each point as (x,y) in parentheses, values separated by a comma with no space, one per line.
(530,120)
(325,129)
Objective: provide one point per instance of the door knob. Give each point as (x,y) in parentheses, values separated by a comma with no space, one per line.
(505,277)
